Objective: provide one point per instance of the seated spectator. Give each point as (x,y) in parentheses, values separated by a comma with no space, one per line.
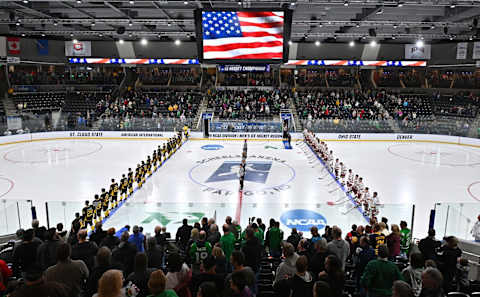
(141,274)
(157,285)
(71,273)
(333,275)
(84,250)
(36,285)
(432,283)
(380,274)
(287,268)
(413,273)
(401,289)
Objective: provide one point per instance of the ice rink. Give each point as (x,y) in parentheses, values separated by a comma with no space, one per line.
(201,180)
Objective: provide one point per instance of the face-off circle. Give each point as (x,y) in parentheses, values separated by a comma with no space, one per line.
(263,173)
(446,155)
(52,152)
(474,190)
(6,185)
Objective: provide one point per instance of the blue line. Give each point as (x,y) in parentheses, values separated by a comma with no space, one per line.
(339,184)
(137,188)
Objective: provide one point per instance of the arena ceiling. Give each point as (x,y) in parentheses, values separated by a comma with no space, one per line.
(333,20)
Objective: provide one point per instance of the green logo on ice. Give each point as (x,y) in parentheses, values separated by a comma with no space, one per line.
(173,217)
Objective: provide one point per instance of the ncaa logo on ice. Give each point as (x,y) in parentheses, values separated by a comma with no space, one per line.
(212,147)
(303,219)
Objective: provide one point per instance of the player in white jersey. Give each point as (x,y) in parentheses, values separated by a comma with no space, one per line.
(350,180)
(343,172)
(366,200)
(337,168)
(330,160)
(374,205)
(355,184)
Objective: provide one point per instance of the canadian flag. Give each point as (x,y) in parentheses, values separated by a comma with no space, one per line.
(13,45)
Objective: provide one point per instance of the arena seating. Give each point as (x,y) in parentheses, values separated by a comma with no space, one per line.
(458,105)
(311,78)
(185,77)
(39,102)
(411,106)
(254,104)
(157,76)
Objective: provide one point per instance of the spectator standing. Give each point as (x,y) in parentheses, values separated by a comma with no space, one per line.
(338,246)
(274,239)
(413,273)
(110,284)
(179,275)
(154,253)
(302,281)
(405,238)
(84,250)
(213,236)
(380,274)
(429,245)
(71,273)
(287,268)
(103,263)
(365,253)
(35,285)
(252,250)
(199,251)
(137,238)
(157,285)
(124,253)
(98,235)
(393,242)
(220,261)
(110,240)
(47,251)
(25,255)
(401,289)
(322,289)
(294,237)
(238,285)
(227,242)
(141,274)
(317,264)
(62,234)
(208,274)
(183,234)
(432,283)
(333,275)
(449,255)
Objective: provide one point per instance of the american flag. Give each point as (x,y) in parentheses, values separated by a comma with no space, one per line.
(242,35)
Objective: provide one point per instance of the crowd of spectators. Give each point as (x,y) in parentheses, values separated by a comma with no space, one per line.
(155,76)
(247,104)
(185,77)
(240,261)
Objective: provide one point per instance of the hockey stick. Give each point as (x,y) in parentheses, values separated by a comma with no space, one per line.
(355,206)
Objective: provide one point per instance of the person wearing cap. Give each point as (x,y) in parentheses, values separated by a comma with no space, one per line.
(287,268)
(137,238)
(476,230)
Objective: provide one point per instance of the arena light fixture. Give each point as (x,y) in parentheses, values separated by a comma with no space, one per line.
(289,42)
(144,41)
(23,35)
(373,43)
(43,34)
(131,2)
(130,23)
(239,2)
(120,41)
(93,24)
(357,25)
(17,23)
(55,23)
(177,42)
(453,5)
(71,34)
(419,43)
(317,43)
(25,1)
(79,1)
(185,2)
(75,41)
(400,4)
(351,43)
(394,37)
(345,3)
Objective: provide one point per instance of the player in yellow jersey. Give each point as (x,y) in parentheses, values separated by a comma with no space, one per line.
(130,181)
(114,193)
(97,205)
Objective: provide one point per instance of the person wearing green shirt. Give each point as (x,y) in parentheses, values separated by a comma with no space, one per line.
(274,240)
(200,250)
(227,242)
(379,275)
(405,238)
(157,283)
(258,232)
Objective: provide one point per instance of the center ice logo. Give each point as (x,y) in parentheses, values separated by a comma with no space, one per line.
(256,171)
(303,219)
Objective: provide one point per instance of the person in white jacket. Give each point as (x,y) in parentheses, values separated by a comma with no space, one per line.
(476,230)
